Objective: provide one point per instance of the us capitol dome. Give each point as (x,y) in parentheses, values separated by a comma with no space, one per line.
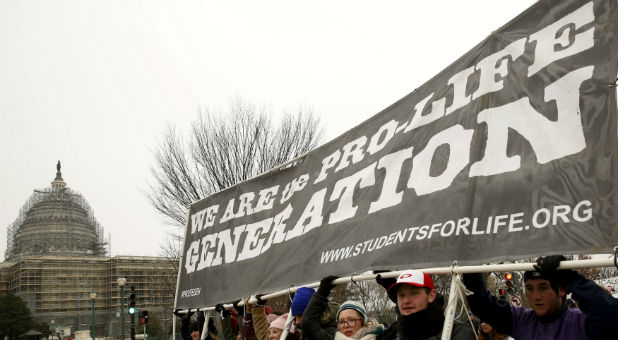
(55,221)
(57,263)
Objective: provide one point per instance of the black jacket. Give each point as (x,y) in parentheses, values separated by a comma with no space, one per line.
(425,325)
(319,319)
(599,307)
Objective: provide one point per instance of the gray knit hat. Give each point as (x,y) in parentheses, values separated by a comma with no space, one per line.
(356,306)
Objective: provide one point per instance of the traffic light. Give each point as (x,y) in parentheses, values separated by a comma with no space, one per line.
(509,282)
(143,317)
(502,293)
(132,301)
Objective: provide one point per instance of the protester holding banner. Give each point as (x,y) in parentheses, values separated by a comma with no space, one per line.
(192,330)
(262,318)
(276,329)
(550,317)
(229,321)
(354,323)
(247,330)
(320,316)
(422,317)
(299,304)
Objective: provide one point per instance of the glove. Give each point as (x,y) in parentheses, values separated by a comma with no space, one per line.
(547,265)
(187,316)
(386,283)
(326,285)
(260,302)
(240,311)
(177,312)
(224,312)
(474,282)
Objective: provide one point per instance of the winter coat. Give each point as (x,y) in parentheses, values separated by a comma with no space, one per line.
(319,319)
(369,331)
(260,323)
(425,325)
(185,333)
(597,318)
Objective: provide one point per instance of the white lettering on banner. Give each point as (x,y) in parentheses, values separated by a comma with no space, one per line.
(392,163)
(344,191)
(559,40)
(190,292)
(266,199)
(458,139)
(549,140)
(507,223)
(494,66)
(296,185)
(203,218)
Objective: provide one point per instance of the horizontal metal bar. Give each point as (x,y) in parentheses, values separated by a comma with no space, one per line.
(507,267)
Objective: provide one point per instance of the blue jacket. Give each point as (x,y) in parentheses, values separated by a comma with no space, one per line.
(597,319)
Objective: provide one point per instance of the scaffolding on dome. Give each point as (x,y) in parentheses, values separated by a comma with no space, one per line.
(55,222)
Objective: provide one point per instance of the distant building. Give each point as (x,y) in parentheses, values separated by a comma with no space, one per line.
(56,257)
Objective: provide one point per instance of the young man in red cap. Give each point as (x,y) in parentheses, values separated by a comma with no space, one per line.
(422,317)
(549,317)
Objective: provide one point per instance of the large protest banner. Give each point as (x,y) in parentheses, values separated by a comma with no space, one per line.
(509,152)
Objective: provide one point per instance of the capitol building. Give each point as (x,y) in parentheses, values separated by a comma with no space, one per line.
(57,262)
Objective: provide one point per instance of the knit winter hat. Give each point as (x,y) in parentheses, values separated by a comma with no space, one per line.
(353,305)
(301,300)
(534,275)
(272,317)
(279,322)
(411,277)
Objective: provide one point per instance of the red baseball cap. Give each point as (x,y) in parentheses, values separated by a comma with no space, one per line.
(411,277)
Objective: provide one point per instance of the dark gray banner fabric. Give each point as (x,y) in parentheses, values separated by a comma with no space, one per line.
(510,152)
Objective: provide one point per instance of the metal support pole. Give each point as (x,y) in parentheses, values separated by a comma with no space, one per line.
(449,317)
(122,312)
(92,329)
(132,326)
(287,325)
(173,326)
(204,334)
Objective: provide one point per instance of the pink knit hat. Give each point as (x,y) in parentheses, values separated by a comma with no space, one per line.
(272,317)
(279,322)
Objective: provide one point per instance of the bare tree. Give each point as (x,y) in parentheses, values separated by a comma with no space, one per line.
(221,150)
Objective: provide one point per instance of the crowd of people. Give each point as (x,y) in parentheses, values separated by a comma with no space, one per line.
(420,311)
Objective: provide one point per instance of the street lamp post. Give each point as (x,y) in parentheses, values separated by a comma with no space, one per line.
(121,282)
(52,328)
(93,295)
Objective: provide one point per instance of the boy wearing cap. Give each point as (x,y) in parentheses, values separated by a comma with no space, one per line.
(550,317)
(421,316)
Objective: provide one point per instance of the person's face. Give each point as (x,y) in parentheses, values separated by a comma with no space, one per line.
(412,299)
(350,321)
(543,299)
(298,320)
(486,328)
(275,333)
(195,335)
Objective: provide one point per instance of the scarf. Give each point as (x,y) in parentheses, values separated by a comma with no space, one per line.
(421,325)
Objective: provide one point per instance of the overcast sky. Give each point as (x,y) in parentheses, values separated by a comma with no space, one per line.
(94,83)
